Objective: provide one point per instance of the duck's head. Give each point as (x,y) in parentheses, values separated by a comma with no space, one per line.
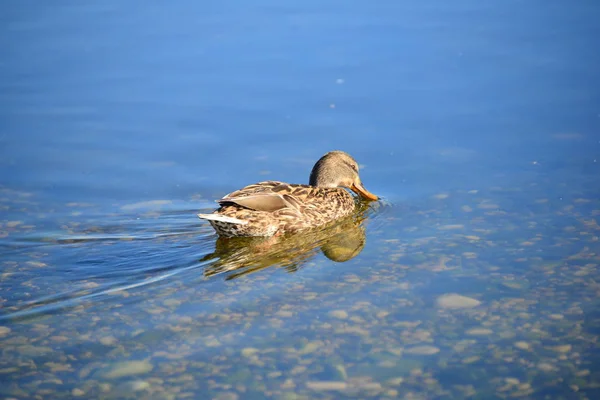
(339,169)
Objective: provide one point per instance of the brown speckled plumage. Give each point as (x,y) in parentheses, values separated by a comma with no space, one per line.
(271,207)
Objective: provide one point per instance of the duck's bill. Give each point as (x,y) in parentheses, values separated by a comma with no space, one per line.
(360,190)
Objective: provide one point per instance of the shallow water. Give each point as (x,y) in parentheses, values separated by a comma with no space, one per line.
(476,276)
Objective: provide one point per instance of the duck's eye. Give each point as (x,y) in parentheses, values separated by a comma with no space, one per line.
(353,166)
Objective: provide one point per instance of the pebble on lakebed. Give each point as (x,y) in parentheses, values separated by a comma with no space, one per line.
(127,368)
(424,350)
(456,301)
(340,314)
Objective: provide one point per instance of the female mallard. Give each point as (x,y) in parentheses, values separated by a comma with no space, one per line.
(271,207)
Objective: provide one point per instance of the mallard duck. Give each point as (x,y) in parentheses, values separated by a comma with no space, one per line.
(271,208)
(340,241)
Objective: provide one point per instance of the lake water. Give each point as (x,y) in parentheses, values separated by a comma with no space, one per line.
(476,275)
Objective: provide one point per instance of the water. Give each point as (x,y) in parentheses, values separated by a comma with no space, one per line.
(479,124)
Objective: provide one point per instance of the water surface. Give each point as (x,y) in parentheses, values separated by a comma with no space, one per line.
(474,277)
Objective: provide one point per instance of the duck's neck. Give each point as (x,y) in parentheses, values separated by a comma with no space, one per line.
(319,180)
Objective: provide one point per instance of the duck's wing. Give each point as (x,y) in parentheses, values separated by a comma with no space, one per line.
(269,196)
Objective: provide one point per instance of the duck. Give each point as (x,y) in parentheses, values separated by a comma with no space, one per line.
(276,208)
(339,242)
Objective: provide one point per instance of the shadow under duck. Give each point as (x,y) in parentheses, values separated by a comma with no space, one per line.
(271,207)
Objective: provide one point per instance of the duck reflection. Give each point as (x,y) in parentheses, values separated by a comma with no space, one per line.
(339,242)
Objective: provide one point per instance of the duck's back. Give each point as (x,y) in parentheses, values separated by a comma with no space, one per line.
(270,207)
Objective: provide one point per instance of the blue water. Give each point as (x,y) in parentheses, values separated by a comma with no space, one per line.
(477,123)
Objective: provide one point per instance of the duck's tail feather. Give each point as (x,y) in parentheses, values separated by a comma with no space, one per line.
(222,218)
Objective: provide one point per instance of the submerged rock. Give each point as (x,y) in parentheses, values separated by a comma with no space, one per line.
(564,348)
(479,332)
(326,385)
(339,314)
(456,301)
(127,368)
(134,386)
(249,351)
(522,345)
(425,350)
